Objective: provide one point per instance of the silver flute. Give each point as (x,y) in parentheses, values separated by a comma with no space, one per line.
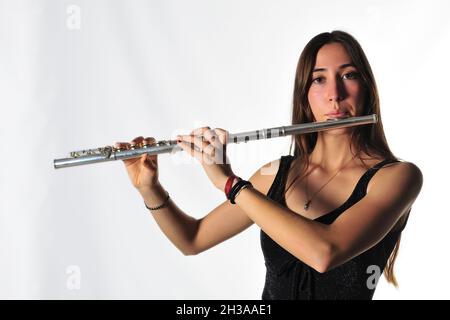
(110,153)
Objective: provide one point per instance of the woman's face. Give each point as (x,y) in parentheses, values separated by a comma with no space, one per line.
(336,90)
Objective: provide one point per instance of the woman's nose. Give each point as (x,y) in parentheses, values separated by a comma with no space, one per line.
(335,91)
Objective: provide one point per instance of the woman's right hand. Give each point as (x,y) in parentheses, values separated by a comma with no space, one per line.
(143,171)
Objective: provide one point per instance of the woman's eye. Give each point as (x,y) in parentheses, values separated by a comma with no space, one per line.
(350,76)
(347,76)
(318,80)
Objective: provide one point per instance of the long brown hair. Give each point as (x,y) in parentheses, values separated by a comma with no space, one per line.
(368,139)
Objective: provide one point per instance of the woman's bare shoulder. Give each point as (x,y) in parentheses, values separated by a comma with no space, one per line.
(399,173)
(403,167)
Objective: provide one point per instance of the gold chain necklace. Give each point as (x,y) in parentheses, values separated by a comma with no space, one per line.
(309,200)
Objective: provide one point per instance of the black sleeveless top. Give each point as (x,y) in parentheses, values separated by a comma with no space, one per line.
(289,278)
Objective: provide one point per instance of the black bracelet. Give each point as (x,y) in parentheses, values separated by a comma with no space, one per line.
(236,188)
(164,204)
(233,188)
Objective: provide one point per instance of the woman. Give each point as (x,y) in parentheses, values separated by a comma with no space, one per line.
(332,215)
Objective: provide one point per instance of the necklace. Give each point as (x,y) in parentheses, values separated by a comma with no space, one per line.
(308,199)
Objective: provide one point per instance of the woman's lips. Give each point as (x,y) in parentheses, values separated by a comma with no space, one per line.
(337,115)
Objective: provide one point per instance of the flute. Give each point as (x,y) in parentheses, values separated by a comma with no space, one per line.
(109,153)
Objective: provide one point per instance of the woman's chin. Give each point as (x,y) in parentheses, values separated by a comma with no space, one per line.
(338,132)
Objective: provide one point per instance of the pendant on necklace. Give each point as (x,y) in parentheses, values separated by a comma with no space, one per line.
(306,206)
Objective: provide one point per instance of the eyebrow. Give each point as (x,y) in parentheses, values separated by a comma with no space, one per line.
(345,65)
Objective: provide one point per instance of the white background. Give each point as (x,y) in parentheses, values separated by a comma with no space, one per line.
(158,68)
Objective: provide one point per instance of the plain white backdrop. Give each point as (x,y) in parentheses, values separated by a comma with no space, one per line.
(80,74)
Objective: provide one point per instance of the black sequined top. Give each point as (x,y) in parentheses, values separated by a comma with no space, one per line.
(289,278)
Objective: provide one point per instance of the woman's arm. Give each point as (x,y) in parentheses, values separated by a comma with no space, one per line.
(192,236)
(390,193)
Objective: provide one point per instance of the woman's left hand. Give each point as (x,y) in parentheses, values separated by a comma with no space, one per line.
(209,147)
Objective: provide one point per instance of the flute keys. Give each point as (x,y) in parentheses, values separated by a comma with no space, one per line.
(103,151)
(166,142)
(118,149)
(135,145)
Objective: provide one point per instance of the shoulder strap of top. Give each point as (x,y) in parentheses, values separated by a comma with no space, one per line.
(367,176)
(281,176)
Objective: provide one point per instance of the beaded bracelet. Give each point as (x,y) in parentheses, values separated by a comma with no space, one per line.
(164,204)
